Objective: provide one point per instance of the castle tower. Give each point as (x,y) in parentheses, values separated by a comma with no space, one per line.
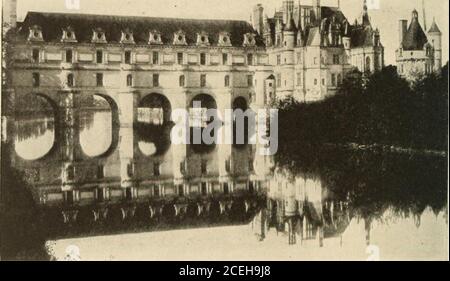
(258,19)
(365,20)
(289,33)
(435,38)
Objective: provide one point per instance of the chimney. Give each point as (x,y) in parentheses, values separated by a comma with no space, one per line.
(402,27)
(10,12)
(258,19)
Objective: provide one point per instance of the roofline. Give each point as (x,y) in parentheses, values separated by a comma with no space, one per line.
(131,16)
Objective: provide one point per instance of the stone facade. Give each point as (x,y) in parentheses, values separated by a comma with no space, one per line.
(312,47)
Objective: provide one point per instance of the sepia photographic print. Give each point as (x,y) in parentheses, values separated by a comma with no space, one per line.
(224,130)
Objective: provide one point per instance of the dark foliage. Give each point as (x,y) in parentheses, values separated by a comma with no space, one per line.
(382,109)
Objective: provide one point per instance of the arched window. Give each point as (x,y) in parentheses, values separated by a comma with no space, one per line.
(70,80)
(227,81)
(129,80)
(182,81)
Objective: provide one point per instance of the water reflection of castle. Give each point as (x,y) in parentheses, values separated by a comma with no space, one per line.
(301,208)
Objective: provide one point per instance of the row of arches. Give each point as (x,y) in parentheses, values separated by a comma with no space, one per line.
(38,128)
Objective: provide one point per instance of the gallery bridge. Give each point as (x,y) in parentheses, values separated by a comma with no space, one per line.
(66,175)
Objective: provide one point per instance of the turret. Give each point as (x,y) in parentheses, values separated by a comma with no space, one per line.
(365,15)
(435,38)
(257,18)
(289,33)
(267,32)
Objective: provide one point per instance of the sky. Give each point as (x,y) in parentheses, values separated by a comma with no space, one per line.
(385,18)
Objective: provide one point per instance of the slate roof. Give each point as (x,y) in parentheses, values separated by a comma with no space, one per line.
(434,28)
(415,37)
(52,25)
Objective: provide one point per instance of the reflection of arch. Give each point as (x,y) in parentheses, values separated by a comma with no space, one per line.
(26,116)
(205,101)
(242,104)
(154,124)
(115,125)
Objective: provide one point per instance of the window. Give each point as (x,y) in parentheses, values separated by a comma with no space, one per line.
(204,189)
(129,80)
(69,56)
(156,169)
(180,58)
(250,59)
(100,172)
(251,168)
(99,56)
(204,167)
(70,173)
(227,81)
(128,57)
(155,58)
(339,79)
(226,189)
(156,191)
(70,82)
(36,80)
(128,193)
(251,187)
(278,59)
(250,80)
(155,80)
(100,194)
(181,190)
(225,59)
(36,55)
(315,60)
(333,80)
(130,169)
(182,81)
(69,198)
(202,58)
(336,59)
(99,78)
(278,80)
(323,82)
(203,80)
(315,81)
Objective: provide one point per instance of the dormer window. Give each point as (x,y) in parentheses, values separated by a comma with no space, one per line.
(69,35)
(224,39)
(35,33)
(155,37)
(127,37)
(179,38)
(98,36)
(249,40)
(202,39)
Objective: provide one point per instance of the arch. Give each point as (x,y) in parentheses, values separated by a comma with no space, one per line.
(157,101)
(38,129)
(169,211)
(99,120)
